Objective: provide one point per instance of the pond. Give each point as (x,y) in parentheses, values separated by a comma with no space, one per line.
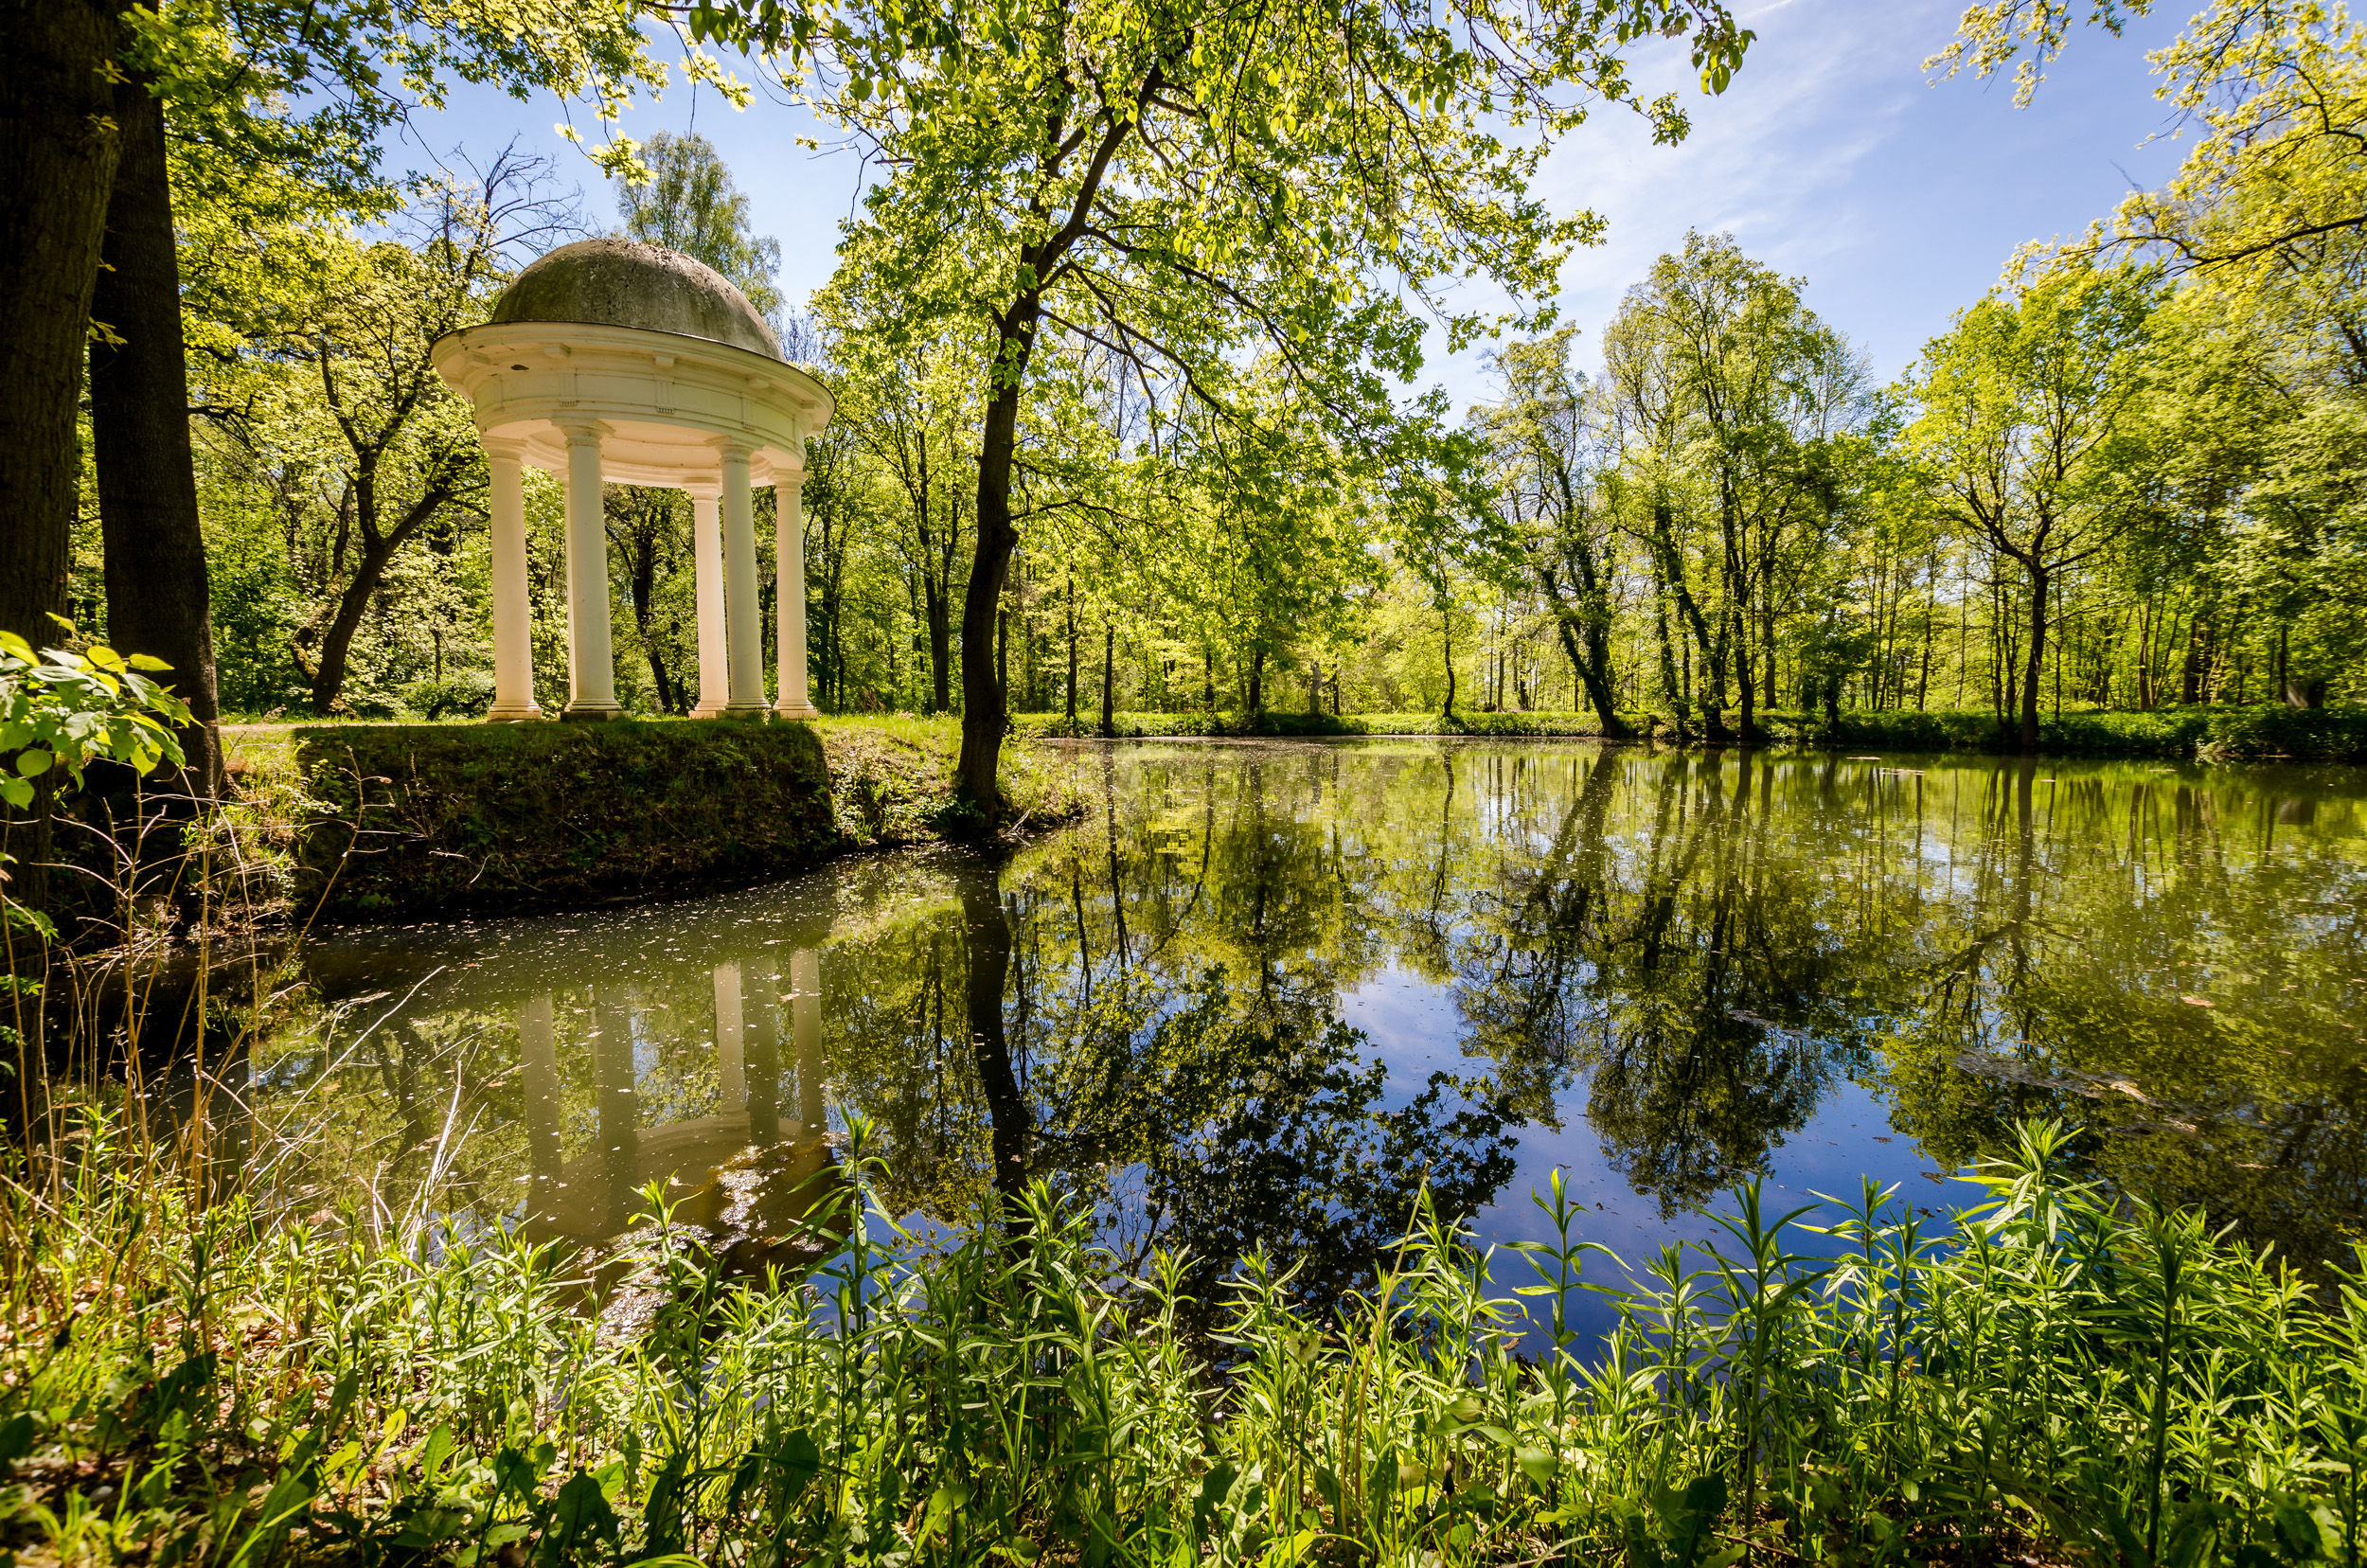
(1272,990)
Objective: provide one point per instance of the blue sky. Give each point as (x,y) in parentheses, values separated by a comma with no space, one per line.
(1829,158)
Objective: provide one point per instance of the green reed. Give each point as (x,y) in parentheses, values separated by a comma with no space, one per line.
(2051,1375)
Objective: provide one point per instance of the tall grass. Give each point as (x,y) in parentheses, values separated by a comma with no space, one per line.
(2050,1375)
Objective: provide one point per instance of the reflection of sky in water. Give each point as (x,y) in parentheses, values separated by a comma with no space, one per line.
(1683,964)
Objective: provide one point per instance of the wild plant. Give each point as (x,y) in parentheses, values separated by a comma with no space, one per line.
(198,1376)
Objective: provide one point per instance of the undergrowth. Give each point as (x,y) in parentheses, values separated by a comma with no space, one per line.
(2049,1377)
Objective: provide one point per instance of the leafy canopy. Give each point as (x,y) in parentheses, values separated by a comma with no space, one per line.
(1170,178)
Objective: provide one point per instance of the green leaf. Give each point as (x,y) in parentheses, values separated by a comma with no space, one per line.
(33,762)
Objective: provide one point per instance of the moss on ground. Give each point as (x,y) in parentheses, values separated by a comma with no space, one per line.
(379,821)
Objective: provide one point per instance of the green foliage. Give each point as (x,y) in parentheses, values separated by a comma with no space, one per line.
(687,200)
(2048,1374)
(60,711)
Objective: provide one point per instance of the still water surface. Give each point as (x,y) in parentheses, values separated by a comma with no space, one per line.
(1273,988)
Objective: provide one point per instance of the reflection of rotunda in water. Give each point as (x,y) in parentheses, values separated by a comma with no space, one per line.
(745,1170)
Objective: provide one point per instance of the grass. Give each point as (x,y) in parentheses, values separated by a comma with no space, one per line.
(892,780)
(259,1377)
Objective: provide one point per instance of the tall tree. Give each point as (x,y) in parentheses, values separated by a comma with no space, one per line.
(2022,400)
(59,146)
(272,81)
(1553,520)
(1177,182)
(684,198)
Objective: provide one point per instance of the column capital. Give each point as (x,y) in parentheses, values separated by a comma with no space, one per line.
(700,488)
(579,430)
(510,449)
(732,449)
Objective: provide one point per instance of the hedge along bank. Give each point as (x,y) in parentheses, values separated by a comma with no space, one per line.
(408,819)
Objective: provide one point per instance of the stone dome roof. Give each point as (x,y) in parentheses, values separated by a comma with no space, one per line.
(616,282)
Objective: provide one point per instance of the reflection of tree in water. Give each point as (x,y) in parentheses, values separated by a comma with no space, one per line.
(1704,947)
(431,1097)
(2072,985)
(1225,1120)
(1251,1133)
(1691,981)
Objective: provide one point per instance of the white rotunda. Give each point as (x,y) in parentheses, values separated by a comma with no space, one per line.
(612,360)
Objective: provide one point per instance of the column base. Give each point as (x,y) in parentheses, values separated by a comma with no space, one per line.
(753,712)
(707,711)
(802,710)
(592,711)
(514,713)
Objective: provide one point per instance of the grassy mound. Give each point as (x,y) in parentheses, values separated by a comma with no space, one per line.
(412,818)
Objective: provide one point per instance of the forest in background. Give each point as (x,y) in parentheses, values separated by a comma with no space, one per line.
(2127,477)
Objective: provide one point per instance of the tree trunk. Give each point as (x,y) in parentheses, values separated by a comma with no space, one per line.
(157,595)
(983,719)
(2034,670)
(1108,679)
(940,610)
(328,678)
(1257,686)
(644,559)
(1744,687)
(1072,653)
(1446,622)
(59,145)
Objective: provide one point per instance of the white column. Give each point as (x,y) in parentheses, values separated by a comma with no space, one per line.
(513,619)
(805,1014)
(591,665)
(730,1049)
(537,1057)
(789,565)
(707,551)
(739,587)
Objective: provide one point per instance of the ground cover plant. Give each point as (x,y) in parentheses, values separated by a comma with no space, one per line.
(243,1376)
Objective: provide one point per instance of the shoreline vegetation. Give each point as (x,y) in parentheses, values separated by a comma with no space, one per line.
(458,816)
(248,1369)
(2268,731)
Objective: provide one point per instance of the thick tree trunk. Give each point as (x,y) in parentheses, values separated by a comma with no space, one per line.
(1745,689)
(59,145)
(158,600)
(1446,631)
(2034,668)
(1108,679)
(983,716)
(1072,653)
(329,676)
